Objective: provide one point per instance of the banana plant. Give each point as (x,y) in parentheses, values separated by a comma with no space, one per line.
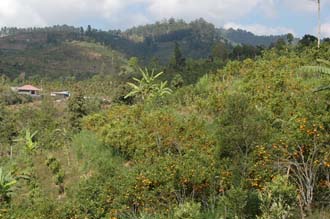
(163,90)
(322,68)
(29,144)
(147,86)
(7,183)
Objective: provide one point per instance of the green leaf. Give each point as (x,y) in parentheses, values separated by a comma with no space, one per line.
(323,61)
(315,69)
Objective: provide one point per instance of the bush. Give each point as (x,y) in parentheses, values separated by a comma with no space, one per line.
(278,199)
(187,210)
(233,203)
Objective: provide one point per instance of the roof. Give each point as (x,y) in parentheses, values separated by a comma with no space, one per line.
(28,87)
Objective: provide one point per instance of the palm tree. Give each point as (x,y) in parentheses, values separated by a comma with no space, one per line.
(323,68)
(7,183)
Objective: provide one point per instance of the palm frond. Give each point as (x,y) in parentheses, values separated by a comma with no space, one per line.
(159,74)
(327,87)
(323,61)
(133,85)
(315,69)
(137,80)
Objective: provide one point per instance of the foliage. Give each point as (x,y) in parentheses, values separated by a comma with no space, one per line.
(187,210)
(319,69)
(28,141)
(277,199)
(55,167)
(178,61)
(308,40)
(77,109)
(177,81)
(245,141)
(233,203)
(7,183)
(147,86)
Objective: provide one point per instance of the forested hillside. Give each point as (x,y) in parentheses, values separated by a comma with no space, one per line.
(77,60)
(248,38)
(245,135)
(38,51)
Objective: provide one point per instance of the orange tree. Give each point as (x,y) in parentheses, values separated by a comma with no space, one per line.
(169,158)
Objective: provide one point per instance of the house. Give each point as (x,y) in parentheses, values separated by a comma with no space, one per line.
(60,95)
(28,90)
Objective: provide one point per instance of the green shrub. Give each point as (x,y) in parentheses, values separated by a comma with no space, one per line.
(187,210)
(233,204)
(278,199)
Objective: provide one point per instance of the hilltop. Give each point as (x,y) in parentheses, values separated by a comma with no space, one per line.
(71,52)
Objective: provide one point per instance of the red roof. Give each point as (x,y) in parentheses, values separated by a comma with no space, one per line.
(28,87)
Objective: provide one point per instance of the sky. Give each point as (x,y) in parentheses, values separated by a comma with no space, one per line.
(262,17)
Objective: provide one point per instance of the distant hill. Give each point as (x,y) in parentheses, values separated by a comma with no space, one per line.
(196,38)
(40,54)
(77,60)
(65,51)
(245,37)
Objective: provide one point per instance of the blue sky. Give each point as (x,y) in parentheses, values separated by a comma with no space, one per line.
(258,16)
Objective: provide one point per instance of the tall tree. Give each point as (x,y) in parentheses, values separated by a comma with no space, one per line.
(319,23)
(178,61)
(290,38)
(77,109)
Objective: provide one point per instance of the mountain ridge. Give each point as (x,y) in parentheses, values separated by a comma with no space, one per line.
(24,49)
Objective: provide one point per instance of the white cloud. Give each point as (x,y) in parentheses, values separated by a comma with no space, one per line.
(216,11)
(305,5)
(119,12)
(16,14)
(126,13)
(25,13)
(326,30)
(260,29)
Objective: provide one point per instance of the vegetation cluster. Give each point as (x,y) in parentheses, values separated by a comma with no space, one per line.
(247,138)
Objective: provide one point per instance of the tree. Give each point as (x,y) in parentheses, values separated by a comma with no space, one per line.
(302,153)
(290,38)
(220,51)
(89,30)
(308,40)
(82,32)
(303,165)
(280,44)
(77,109)
(178,61)
(319,23)
(237,124)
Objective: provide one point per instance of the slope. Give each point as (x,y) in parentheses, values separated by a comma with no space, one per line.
(31,56)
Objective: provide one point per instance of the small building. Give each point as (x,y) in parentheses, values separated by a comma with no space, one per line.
(28,90)
(60,95)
